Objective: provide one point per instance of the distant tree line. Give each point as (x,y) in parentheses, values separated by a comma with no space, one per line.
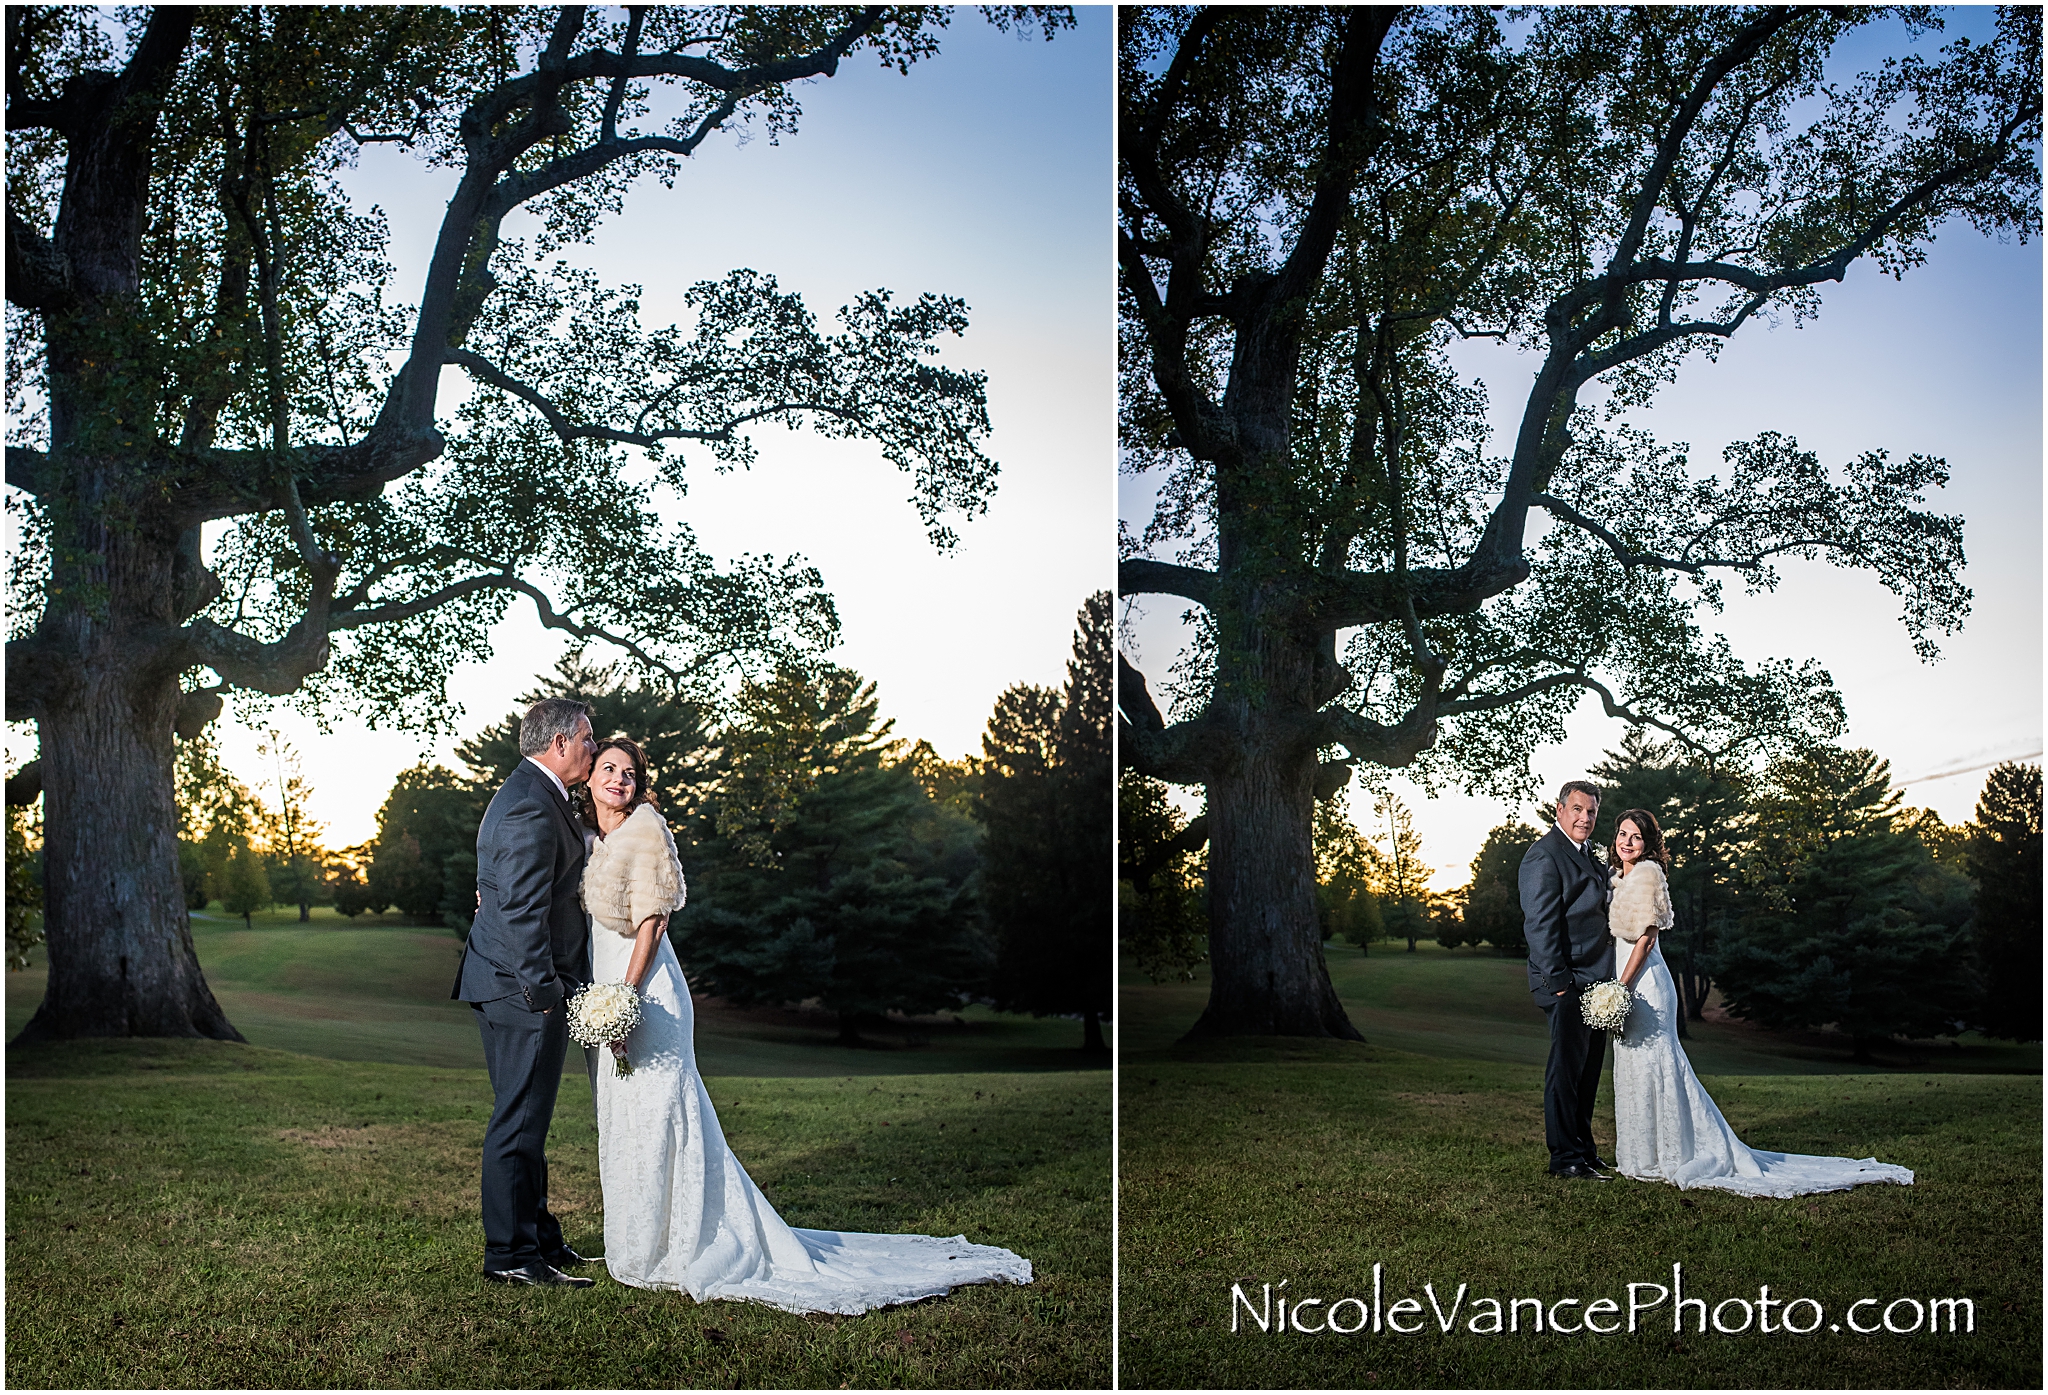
(1804,890)
(1810,895)
(829,861)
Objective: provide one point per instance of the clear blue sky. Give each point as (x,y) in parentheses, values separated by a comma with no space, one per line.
(1946,362)
(985,173)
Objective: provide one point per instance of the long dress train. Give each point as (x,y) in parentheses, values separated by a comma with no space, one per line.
(1668,1129)
(681,1213)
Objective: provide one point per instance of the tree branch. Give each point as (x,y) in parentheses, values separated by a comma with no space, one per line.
(38,275)
(1146,744)
(572,431)
(1141,576)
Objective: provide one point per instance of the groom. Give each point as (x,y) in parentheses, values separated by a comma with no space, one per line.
(1564,912)
(527,952)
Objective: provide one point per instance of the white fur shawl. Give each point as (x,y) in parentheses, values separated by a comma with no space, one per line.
(634,873)
(1641,899)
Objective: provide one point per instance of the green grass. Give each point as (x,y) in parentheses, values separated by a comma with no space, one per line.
(302,1211)
(376,989)
(1253,1162)
(210,1214)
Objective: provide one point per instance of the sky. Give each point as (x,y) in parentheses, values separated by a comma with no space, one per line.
(1946,362)
(984,173)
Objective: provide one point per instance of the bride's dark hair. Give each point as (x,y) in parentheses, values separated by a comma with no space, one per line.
(643,793)
(1653,837)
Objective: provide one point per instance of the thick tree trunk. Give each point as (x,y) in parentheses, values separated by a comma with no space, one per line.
(1091,1034)
(1267,974)
(120,941)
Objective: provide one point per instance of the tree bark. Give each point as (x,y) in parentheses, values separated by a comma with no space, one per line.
(121,957)
(1267,972)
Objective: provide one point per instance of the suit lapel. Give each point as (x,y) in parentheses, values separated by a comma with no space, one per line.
(555,801)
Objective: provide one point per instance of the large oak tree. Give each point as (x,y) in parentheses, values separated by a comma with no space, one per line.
(205,332)
(1314,206)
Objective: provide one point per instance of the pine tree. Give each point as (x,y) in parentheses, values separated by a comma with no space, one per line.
(1046,794)
(1847,920)
(1403,889)
(291,832)
(824,877)
(2003,852)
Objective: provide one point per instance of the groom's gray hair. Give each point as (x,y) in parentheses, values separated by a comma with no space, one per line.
(1585,787)
(548,719)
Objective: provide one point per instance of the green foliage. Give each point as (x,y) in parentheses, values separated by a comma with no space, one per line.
(1846,918)
(831,874)
(1493,898)
(292,836)
(245,886)
(1045,803)
(24,883)
(1404,878)
(671,729)
(2003,853)
(425,862)
(1350,875)
(1162,917)
(217,814)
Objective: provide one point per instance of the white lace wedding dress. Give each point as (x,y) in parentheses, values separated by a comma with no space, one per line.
(679,1210)
(1666,1126)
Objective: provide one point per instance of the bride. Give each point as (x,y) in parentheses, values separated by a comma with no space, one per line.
(1666,1128)
(679,1210)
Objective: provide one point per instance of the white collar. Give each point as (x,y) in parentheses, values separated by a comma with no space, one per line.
(552,776)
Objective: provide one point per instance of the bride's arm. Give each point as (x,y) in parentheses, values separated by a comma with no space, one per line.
(651,930)
(1635,960)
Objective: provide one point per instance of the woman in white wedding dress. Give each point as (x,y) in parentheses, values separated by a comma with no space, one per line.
(679,1210)
(1666,1127)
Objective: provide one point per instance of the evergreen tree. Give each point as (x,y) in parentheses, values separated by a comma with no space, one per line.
(2003,852)
(671,729)
(1046,791)
(1703,806)
(348,881)
(1162,918)
(245,887)
(824,878)
(1847,920)
(1493,898)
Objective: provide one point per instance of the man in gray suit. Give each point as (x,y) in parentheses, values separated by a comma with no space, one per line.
(527,953)
(1564,918)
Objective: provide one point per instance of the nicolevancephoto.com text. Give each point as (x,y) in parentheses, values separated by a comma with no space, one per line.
(1274,1312)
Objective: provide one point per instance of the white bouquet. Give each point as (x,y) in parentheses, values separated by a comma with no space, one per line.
(1605,1006)
(602,1013)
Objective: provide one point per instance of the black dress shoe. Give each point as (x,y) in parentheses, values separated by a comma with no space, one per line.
(1579,1171)
(1603,1164)
(535,1275)
(565,1257)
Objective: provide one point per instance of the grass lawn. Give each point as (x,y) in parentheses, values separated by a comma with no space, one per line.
(1252,1162)
(303,1211)
(375,988)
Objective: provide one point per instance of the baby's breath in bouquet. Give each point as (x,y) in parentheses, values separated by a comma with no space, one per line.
(1605,1006)
(605,1012)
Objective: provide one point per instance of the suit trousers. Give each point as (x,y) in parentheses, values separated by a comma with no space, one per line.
(1571,1079)
(524,1051)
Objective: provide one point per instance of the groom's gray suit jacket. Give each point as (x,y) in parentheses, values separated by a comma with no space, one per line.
(1564,917)
(529,939)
